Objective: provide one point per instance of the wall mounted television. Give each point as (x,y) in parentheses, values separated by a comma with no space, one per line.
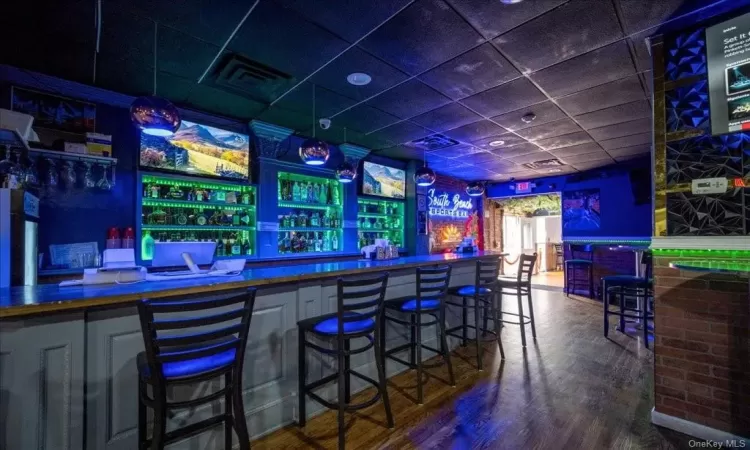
(727,47)
(383,181)
(200,150)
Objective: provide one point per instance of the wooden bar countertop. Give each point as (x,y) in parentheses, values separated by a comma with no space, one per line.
(49,298)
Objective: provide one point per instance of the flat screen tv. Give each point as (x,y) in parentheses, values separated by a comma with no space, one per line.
(198,150)
(729,75)
(383,181)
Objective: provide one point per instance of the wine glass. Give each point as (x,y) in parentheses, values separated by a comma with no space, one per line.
(28,172)
(104,183)
(88,176)
(68,174)
(7,167)
(51,177)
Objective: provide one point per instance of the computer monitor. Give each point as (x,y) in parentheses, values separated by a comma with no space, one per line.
(169,254)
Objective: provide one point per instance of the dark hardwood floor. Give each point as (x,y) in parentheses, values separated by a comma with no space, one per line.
(572,389)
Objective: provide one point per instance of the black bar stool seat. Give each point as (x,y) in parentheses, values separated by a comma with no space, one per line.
(328,324)
(573,264)
(630,287)
(469,291)
(432,284)
(188,368)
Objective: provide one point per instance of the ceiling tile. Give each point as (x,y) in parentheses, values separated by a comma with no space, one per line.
(409,99)
(544,112)
(575,159)
(626,151)
(600,66)
(638,15)
(627,141)
(517,150)
(492,18)
(422,36)
(508,140)
(506,97)
(616,114)
(564,141)
(446,117)
(402,132)
(631,157)
(572,29)
(609,94)
(475,131)
(183,55)
(365,118)
(475,71)
(327,102)
(548,130)
(223,103)
(622,129)
(350,20)
(591,147)
(483,159)
(531,157)
(593,164)
(283,39)
(458,151)
(402,152)
(333,76)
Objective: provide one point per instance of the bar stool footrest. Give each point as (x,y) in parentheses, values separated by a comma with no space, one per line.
(191,430)
(348,407)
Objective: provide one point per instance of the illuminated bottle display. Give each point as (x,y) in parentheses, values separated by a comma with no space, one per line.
(176,210)
(380,219)
(310,214)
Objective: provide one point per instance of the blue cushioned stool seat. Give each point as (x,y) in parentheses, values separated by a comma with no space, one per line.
(188,367)
(426,304)
(469,290)
(329,324)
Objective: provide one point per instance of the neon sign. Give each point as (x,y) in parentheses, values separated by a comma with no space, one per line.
(444,205)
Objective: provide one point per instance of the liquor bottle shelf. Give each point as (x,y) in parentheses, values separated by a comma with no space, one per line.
(285,229)
(303,205)
(197,228)
(106,160)
(192,204)
(376,230)
(377,215)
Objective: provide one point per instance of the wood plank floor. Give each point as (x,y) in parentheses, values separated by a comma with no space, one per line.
(572,389)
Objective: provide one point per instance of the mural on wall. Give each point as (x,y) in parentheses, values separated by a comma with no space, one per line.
(532,205)
(53,112)
(580,210)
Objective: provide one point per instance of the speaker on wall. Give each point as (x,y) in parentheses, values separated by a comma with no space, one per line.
(640,185)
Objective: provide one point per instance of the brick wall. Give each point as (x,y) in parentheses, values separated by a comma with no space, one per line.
(702,347)
(493,226)
(606,262)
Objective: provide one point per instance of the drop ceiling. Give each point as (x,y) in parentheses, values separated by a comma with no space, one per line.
(458,72)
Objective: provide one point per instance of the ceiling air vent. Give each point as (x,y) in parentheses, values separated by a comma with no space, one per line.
(433,142)
(544,164)
(242,75)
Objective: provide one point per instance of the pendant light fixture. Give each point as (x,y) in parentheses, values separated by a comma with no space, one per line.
(346,171)
(314,152)
(155,115)
(424,176)
(475,189)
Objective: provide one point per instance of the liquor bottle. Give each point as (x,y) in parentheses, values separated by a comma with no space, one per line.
(335,196)
(316,193)
(146,190)
(327,221)
(326,243)
(295,243)
(317,242)
(315,220)
(335,242)
(147,246)
(245,198)
(329,194)
(280,244)
(246,250)
(295,192)
(293,220)
(236,218)
(309,192)
(302,219)
(236,246)
(220,247)
(335,222)
(227,247)
(285,221)
(155,191)
(287,243)
(323,195)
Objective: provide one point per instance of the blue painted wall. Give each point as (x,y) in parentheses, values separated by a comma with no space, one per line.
(620,216)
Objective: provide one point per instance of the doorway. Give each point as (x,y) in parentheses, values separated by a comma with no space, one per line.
(533,224)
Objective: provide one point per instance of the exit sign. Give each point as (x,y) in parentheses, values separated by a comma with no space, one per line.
(523,187)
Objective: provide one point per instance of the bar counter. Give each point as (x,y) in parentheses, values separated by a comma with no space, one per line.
(67,354)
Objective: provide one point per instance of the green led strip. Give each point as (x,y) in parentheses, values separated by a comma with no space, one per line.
(198,184)
(378,216)
(303,229)
(195,228)
(607,241)
(308,206)
(189,204)
(378,202)
(702,253)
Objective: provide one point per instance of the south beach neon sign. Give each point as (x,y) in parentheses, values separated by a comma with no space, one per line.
(446,206)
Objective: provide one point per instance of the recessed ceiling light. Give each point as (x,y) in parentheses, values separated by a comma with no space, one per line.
(528,118)
(358,78)
(510,2)
(496,143)
(554,170)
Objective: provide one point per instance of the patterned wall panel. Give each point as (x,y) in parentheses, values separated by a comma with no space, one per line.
(706,157)
(707,215)
(687,107)
(686,55)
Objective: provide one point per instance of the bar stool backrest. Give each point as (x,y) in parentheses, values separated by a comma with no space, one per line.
(487,274)
(647,260)
(558,249)
(526,264)
(217,324)
(432,283)
(360,299)
(581,248)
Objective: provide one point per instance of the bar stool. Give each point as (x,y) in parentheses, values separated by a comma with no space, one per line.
(559,256)
(432,284)
(520,286)
(184,350)
(359,319)
(628,287)
(481,292)
(572,265)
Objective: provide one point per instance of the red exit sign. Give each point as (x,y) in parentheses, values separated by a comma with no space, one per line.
(523,187)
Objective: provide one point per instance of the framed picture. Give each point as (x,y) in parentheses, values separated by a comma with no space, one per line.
(421,202)
(54,112)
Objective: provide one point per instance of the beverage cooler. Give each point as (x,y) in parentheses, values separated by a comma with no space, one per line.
(310,215)
(178,209)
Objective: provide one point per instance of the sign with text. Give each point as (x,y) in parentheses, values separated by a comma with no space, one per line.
(445,204)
